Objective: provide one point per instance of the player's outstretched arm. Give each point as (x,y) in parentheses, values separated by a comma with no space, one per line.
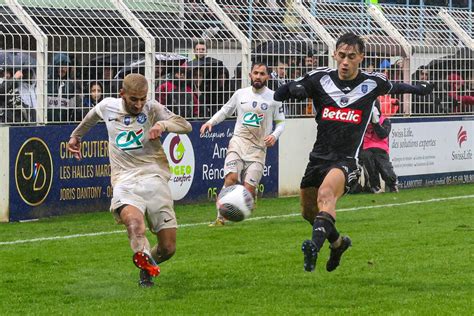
(89,121)
(423,88)
(291,90)
(167,121)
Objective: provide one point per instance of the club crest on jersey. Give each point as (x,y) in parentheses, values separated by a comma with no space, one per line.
(342,115)
(253,119)
(127,120)
(141,118)
(130,140)
(364,88)
(344,101)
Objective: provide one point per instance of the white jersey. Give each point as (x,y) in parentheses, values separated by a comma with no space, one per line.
(256,112)
(132,154)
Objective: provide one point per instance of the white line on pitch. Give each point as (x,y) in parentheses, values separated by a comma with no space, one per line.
(14,242)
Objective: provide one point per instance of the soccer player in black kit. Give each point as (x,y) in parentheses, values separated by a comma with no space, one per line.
(343,99)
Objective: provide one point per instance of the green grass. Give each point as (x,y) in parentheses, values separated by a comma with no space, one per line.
(412,259)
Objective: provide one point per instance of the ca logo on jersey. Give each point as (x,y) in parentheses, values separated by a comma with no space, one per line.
(130,140)
(253,119)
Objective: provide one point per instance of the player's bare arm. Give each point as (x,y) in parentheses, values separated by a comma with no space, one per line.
(74,144)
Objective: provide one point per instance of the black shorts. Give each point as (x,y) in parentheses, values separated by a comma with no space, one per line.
(316,171)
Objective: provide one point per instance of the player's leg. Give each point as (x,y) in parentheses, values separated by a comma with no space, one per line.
(166,246)
(309,205)
(161,218)
(333,187)
(128,207)
(336,181)
(252,174)
(329,192)
(233,167)
(134,221)
(385,168)
(311,180)
(367,158)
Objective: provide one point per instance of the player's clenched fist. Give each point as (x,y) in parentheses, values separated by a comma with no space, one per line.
(155,132)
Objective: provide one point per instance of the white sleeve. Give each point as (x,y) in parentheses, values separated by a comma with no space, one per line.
(226,111)
(279,119)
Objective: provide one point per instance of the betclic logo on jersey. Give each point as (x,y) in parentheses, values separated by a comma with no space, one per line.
(33,171)
(342,115)
(180,153)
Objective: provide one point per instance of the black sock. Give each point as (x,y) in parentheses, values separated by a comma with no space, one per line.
(323,228)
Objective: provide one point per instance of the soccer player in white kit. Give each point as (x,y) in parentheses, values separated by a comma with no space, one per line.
(256,112)
(140,170)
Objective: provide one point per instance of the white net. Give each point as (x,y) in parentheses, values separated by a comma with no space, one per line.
(196,53)
(439,56)
(17,55)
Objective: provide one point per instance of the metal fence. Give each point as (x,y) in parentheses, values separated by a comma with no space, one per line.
(58,58)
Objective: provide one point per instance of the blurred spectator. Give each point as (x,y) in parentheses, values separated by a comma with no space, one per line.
(375,154)
(429,104)
(388,105)
(60,82)
(236,81)
(199,50)
(308,63)
(198,86)
(18,97)
(370,66)
(279,75)
(396,71)
(110,84)
(459,102)
(384,67)
(219,92)
(83,104)
(61,88)
(178,95)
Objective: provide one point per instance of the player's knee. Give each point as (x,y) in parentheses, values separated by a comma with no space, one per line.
(167,251)
(326,195)
(136,226)
(231,179)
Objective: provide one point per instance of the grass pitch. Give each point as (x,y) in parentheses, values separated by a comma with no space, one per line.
(412,254)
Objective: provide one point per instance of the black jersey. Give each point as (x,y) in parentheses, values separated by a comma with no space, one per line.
(343,110)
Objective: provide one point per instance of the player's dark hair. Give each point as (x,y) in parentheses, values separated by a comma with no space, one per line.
(352,40)
(258,64)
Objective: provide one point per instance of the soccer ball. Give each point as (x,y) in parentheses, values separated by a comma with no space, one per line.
(235,203)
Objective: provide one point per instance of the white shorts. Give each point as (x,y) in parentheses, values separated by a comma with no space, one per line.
(152,196)
(250,171)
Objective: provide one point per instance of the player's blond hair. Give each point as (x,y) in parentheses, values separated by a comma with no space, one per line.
(134,82)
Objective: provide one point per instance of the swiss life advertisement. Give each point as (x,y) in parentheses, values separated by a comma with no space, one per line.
(432,151)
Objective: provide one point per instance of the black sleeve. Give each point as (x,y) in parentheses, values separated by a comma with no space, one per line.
(299,89)
(383,130)
(423,88)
